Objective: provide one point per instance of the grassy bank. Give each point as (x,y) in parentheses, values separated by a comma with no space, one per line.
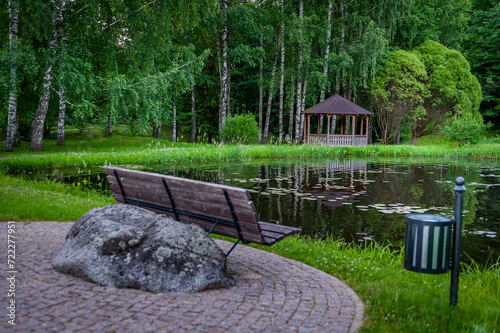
(120,150)
(396,300)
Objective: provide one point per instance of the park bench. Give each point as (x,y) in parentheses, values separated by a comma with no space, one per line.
(220,209)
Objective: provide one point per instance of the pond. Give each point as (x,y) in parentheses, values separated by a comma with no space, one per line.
(360,200)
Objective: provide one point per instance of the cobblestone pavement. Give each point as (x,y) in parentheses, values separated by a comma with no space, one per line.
(269,294)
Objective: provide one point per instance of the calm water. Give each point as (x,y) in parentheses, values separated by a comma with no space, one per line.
(362,200)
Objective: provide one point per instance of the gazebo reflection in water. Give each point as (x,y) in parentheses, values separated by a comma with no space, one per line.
(338,106)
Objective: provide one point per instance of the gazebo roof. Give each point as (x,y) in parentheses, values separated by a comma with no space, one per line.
(337,105)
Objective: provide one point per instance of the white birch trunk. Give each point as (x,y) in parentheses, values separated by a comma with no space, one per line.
(302,108)
(61,135)
(41,113)
(174,126)
(342,40)
(282,80)
(193,113)
(291,115)
(327,51)
(261,89)
(327,56)
(225,80)
(62,115)
(298,133)
(10,141)
(270,98)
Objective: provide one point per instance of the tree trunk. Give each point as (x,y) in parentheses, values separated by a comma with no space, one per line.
(261,89)
(327,57)
(224,70)
(298,133)
(327,51)
(270,98)
(156,131)
(414,139)
(302,108)
(193,114)
(10,141)
(342,41)
(282,81)
(61,133)
(174,125)
(110,126)
(41,113)
(291,116)
(62,115)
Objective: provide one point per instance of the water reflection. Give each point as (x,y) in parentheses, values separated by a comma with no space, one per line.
(366,199)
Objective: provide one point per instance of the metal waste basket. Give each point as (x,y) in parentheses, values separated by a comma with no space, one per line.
(427,243)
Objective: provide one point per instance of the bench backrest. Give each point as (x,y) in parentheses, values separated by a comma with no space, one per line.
(194,201)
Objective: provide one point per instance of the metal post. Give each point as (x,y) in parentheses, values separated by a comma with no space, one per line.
(457,235)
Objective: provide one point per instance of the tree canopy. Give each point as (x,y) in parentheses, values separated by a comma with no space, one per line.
(187,65)
(420,89)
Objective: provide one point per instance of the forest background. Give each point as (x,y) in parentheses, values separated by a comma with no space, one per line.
(186,66)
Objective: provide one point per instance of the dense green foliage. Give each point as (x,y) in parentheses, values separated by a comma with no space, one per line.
(465,130)
(131,62)
(240,129)
(482,48)
(420,90)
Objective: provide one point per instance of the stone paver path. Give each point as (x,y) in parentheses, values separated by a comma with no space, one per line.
(269,294)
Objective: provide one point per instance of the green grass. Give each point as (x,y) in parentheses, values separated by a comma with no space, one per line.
(28,200)
(395,299)
(122,150)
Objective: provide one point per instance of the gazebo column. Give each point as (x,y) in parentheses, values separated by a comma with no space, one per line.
(362,121)
(342,125)
(367,119)
(353,129)
(308,128)
(319,125)
(328,130)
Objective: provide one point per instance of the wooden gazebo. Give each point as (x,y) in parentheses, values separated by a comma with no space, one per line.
(337,105)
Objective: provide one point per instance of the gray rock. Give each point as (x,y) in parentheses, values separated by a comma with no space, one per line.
(128,247)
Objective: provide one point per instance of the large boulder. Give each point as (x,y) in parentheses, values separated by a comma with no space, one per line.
(129,247)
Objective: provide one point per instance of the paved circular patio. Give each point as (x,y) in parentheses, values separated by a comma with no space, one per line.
(269,294)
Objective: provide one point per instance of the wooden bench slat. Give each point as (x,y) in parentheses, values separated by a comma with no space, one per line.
(190,184)
(148,187)
(249,229)
(207,208)
(286,230)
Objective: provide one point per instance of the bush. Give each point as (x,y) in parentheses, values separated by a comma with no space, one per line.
(463,131)
(240,129)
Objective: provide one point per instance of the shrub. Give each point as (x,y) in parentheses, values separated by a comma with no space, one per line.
(240,129)
(463,131)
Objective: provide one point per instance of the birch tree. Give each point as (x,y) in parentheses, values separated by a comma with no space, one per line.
(41,113)
(193,112)
(12,124)
(298,136)
(282,72)
(225,79)
(271,93)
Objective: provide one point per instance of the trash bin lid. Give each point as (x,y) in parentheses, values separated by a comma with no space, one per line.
(428,218)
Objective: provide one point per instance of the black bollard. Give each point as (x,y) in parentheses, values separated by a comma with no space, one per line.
(457,235)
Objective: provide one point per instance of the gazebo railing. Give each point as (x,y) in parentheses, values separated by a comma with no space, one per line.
(336,140)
